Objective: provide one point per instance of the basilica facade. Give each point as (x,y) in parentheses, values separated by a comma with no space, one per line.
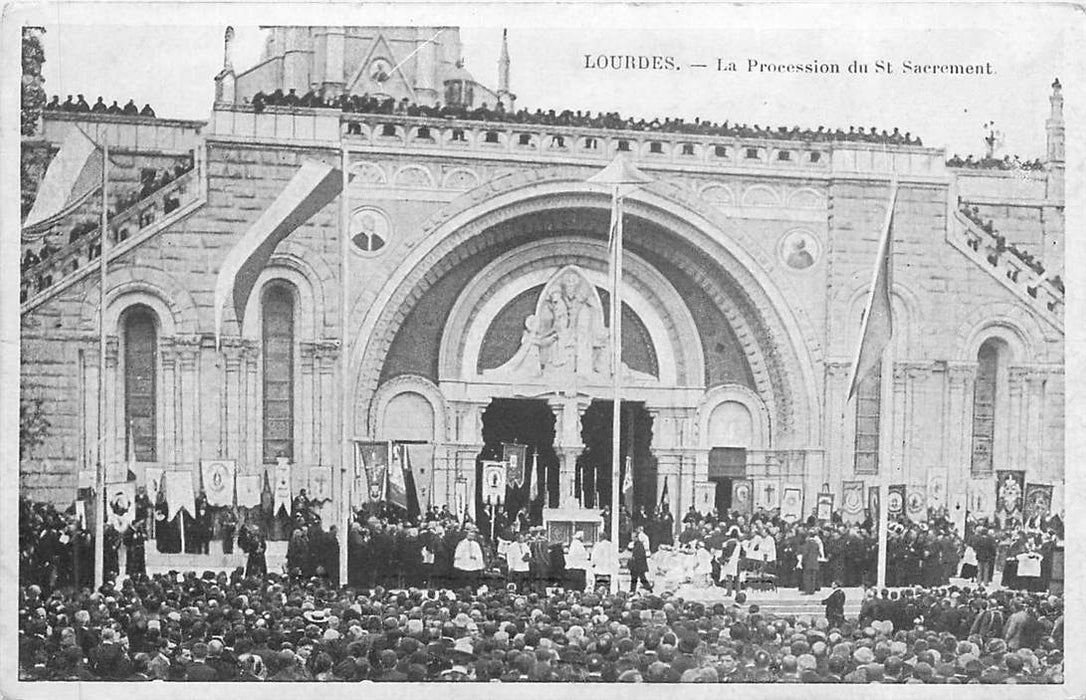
(479,297)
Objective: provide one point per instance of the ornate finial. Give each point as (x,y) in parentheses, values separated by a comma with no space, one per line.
(1056,84)
(228,50)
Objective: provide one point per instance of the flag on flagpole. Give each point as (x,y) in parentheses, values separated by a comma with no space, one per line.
(310,190)
(533,477)
(397,486)
(663,495)
(71,178)
(627,483)
(877,324)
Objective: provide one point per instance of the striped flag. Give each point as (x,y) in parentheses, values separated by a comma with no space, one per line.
(397,485)
(663,495)
(533,477)
(72,177)
(877,324)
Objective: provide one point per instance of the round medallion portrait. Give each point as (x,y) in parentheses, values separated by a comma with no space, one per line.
(800,250)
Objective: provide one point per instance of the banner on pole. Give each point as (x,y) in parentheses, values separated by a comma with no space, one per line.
(981,497)
(373,458)
(916,504)
(493,481)
(248,490)
(283,490)
(792,503)
(219,481)
(705,498)
(179,493)
(1010,488)
(514,455)
(742,496)
(852,501)
(824,507)
(873,503)
(1038,500)
(86,479)
(319,484)
(895,500)
(937,489)
(767,494)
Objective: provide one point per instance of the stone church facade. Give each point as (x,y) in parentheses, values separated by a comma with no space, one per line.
(479,260)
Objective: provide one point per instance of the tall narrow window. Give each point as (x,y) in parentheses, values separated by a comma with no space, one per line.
(140,348)
(278,337)
(984,406)
(867,422)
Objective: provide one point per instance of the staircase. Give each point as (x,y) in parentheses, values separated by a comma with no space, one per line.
(136,223)
(987,251)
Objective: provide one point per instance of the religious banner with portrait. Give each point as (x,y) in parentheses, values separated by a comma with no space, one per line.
(767,494)
(493,481)
(742,496)
(895,500)
(937,489)
(873,502)
(282,490)
(218,481)
(248,486)
(852,501)
(824,507)
(916,504)
(152,480)
(792,502)
(514,456)
(121,512)
(981,497)
(1009,492)
(705,497)
(319,484)
(1038,500)
(372,460)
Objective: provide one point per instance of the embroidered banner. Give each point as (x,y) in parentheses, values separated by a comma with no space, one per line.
(792,502)
(122,505)
(895,500)
(741,496)
(852,501)
(767,494)
(824,507)
(219,481)
(282,489)
(705,498)
(319,486)
(981,497)
(373,460)
(493,481)
(916,504)
(937,490)
(514,456)
(1010,485)
(1038,500)
(248,486)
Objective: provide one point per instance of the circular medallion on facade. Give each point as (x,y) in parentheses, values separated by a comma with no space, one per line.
(894,501)
(370,231)
(380,70)
(916,502)
(800,249)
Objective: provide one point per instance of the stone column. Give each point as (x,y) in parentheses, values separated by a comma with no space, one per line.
(189,354)
(1010,440)
(115,414)
(836,429)
(308,414)
(253,422)
(958,426)
(1034,436)
(567,438)
(167,423)
(328,354)
(232,399)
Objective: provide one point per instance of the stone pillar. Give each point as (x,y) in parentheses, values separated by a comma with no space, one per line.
(426,69)
(189,354)
(836,429)
(1034,436)
(334,58)
(115,415)
(958,427)
(167,423)
(232,399)
(253,423)
(308,413)
(1011,440)
(329,453)
(567,438)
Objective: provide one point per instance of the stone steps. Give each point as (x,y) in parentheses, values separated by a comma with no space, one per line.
(216,561)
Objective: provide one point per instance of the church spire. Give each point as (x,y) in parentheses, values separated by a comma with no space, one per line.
(1054,126)
(225,83)
(228,51)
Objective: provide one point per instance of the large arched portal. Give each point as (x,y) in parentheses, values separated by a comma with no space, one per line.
(508,299)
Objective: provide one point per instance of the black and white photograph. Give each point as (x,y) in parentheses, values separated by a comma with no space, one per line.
(550,343)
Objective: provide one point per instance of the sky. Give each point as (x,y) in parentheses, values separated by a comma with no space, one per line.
(169,61)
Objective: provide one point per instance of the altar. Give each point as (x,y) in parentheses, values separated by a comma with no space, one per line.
(561,523)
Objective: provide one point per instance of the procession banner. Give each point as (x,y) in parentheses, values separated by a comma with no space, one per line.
(152,480)
(373,458)
(282,489)
(116,472)
(493,481)
(767,494)
(741,496)
(705,499)
(981,497)
(792,502)
(179,493)
(852,501)
(515,457)
(1038,500)
(824,507)
(219,481)
(319,484)
(916,504)
(959,506)
(895,500)
(937,490)
(1010,485)
(873,502)
(86,479)
(248,490)
(463,499)
(122,505)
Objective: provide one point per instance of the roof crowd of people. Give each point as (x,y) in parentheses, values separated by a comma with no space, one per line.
(434,600)
(79,104)
(972,212)
(366,104)
(1007,162)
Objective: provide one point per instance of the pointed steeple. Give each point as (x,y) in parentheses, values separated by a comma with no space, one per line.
(504,94)
(1054,125)
(225,84)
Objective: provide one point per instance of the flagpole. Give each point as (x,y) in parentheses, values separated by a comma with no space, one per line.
(99,472)
(885,400)
(616,371)
(344,510)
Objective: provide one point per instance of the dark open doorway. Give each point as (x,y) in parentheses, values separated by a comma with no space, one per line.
(528,422)
(594,464)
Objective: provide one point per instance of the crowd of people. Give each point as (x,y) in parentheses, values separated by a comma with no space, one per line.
(184,627)
(972,212)
(1007,162)
(79,104)
(366,104)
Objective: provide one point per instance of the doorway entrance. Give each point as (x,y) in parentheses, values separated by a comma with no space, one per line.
(725,465)
(526,422)
(635,440)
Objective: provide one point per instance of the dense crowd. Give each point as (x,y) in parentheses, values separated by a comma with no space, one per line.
(272,628)
(972,212)
(366,104)
(100,107)
(1007,162)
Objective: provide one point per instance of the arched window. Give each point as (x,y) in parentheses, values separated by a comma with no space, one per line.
(277,315)
(868,406)
(140,350)
(985,399)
